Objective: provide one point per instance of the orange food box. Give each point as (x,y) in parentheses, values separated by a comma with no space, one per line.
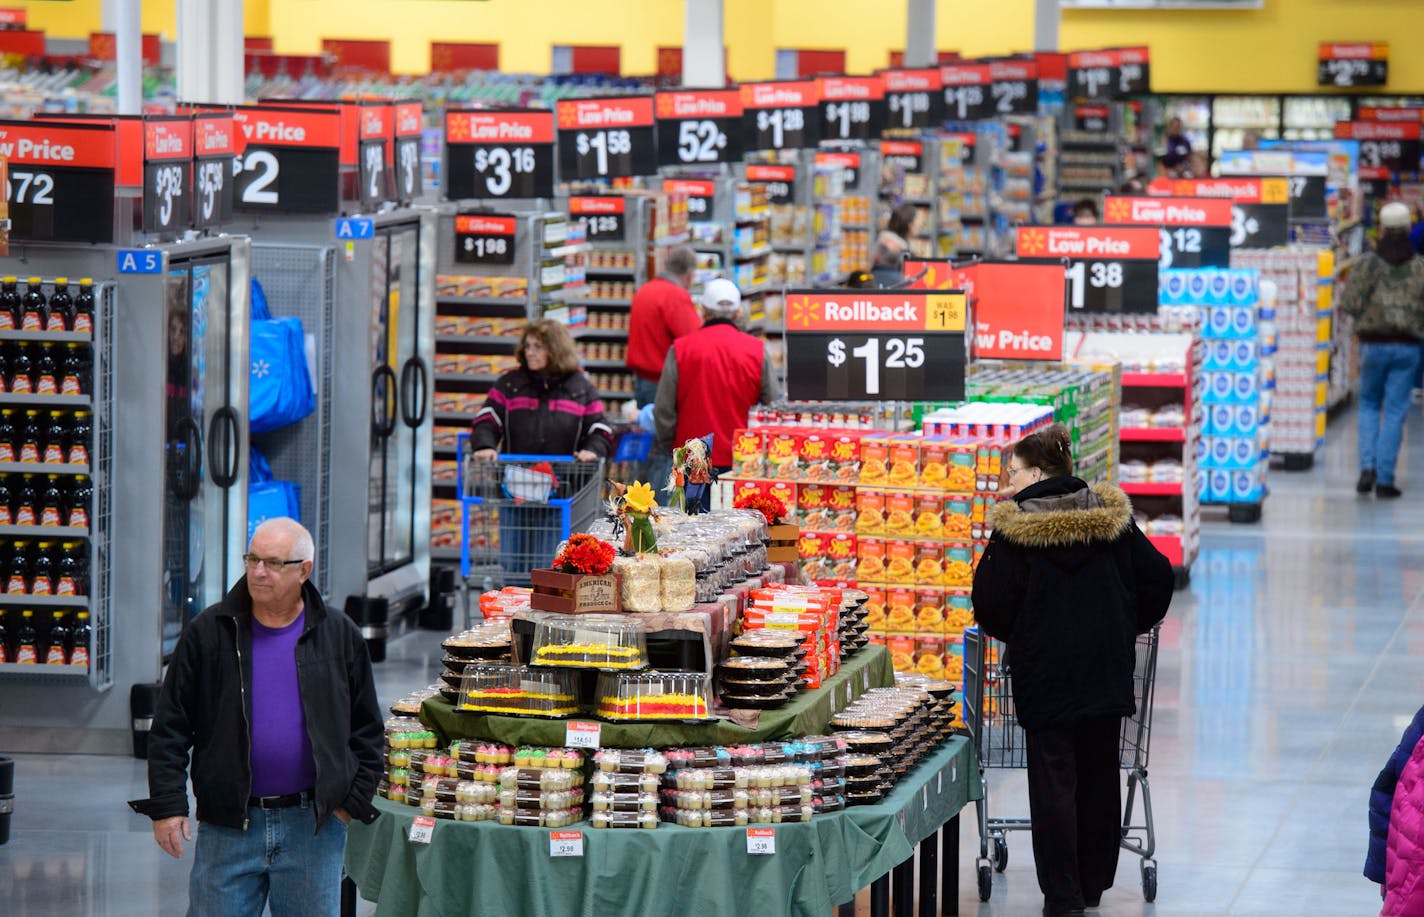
(870,512)
(870,556)
(813,502)
(961,477)
(900,609)
(929,514)
(815,458)
(929,610)
(934,461)
(929,655)
(875,459)
(902,652)
(783,455)
(958,612)
(845,457)
(812,548)
(840,550)
(904,460)
(748,453)
(899,512)
(786,492)
(929,563)
(900,562)
(959,564)
(958,517)
(840,503)
(875,614)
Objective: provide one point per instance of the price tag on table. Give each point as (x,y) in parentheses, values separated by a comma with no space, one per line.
(606,138)
(422,829)
(761,841)
(213,146)
(499,154)
(701,197)
(565,843)
(582,734)
(1014,89)
(850,107)
(1346,65)
(410,121)
(914,99)
(780,116)
(167,175)
(967,93)
(1111,270)
(853,345)
(697,128)
(1193,231)
(481,239)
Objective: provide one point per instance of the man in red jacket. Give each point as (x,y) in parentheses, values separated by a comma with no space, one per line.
(711,379)
(662,312)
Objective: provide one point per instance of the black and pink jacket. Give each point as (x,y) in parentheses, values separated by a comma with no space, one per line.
(532,414)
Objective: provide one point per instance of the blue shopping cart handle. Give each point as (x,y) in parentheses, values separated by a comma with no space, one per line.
(512,457)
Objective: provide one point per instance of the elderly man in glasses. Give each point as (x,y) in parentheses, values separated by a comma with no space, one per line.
(273,694)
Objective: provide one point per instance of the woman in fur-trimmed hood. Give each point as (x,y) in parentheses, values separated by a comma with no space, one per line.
(1068,582)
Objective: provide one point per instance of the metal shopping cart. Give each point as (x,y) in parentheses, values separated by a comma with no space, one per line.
(515,510)
(993,725)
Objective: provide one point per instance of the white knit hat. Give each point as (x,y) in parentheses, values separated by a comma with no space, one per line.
(1395,215)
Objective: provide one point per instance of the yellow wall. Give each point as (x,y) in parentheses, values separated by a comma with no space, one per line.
(77,18)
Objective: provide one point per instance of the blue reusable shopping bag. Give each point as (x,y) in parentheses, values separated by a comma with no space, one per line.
(271,500)
(280,391)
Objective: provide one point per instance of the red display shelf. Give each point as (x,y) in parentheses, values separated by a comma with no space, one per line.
(1170,546)
(1143,489)
(1152,435)
(1155,380)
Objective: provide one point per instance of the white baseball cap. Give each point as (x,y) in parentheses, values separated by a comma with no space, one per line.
(1395,215)
(721,296)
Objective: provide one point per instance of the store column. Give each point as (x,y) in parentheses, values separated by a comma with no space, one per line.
(920,33)
(1046,17)
(128,53)
(210,51)
(703,55)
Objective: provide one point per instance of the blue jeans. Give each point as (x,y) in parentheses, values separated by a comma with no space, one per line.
(1386,376)
(280,862)
(644,392)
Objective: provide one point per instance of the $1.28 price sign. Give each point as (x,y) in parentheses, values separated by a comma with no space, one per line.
(606,138)
(857,345)
(499,155)
(481,239)
(602,217)
(1110,269)
(699,127)
(167,171)
(780,116)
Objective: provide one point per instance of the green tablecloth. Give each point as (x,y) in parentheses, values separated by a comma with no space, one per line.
(807,714)
(485,868)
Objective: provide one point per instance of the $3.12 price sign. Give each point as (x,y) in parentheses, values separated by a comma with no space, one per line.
(1194,232)
(481,239)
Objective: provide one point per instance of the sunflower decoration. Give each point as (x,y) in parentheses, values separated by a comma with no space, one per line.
(638,503)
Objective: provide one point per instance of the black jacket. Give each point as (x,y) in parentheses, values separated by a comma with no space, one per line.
(206,705)
(1068,581)
(529,413)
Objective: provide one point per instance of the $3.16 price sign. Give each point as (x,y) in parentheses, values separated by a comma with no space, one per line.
(699,127)
(499,155)
(903,346)
(1110,270)
(606,138)
(167,164)
(481,239)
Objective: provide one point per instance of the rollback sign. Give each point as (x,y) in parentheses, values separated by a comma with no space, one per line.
(1260,207)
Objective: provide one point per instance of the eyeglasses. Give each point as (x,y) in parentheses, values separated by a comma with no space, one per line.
(271,563)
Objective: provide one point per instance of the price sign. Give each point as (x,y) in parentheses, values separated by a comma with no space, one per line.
(851,107)
(1260,210)
(214,142)
(1014,89)
(1193,231)
(481,239)
(606,138)
(906,154)
(1018,308)
(1095,119)
(847,162)
(422,829)
(410,120)
(780,116)
(288,160)
(167,174)
(701,197)
(1134,71)
(696,128)
(1110,270)
(914,99)
(780,182)
(375,137)
(565,843)
(1308,197)
(499,155)
(761,841)
(1093,75)
(582,734)
(1346,65)
(1409,115)
(1385,147)
(859,345)
(61,180)
(968,93)
(602,217)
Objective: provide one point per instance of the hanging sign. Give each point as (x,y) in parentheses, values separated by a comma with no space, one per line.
(61,180)
(1194,231)
(914,99)
(375,137)
(1110,270)
(1093,75)
(847,161)
(484,239)
(167,174)
(701,196)
(214,142)
(1369,113)
(699,128)
(602,217)
(1018,307)
(907,154)
(780,182)
(780,116)
(1095,119)
(288,159)
(855,344)
(1385,147)
(499,155)
(410,121)
(606,138)
(1260,208)
(1015,87)
(851,107)
(1134,71)
(968,92)
(1349,64)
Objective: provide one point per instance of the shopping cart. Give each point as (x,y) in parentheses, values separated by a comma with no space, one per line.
(993,725)
(516,509)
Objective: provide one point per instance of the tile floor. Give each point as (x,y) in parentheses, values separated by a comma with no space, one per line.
(1287,673)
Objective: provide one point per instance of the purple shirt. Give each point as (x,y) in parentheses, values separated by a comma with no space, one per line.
(282,759)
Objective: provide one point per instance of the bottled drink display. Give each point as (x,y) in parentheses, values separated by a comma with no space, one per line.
(42,570)
(79,640)
(53,508)
(61,307)
(84,307)
(45,381)
(4,640)
(10,304)
(36,307)
(27,642)
(57,652)
(31,443)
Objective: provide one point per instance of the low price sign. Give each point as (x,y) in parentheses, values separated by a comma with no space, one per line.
(1015,87)
(1110,269)
(1385,147)
(968,94)
(410,119)
(780,116)
(851,107)
(914,99)
(167,174)
(288,159)
(701,196)
(485,239)
(602,217)
(1349,64)
(1260,207)
(606,138)
(1018,307)
(61,180)
(498,155)
(1194,231)
(1093,74)
(857,345)
(696,128)
(213,146)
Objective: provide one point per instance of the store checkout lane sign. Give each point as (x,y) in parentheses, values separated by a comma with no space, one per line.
(908,345)
(1110,270)
(1017,307)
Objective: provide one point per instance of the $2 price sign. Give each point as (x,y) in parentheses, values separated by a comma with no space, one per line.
(483,239)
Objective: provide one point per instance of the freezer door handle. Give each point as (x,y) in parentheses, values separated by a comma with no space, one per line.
(223,433)
(415,382)
(383,401)
(191,471)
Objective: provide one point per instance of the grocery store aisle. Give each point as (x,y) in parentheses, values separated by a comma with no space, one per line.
(1286,676)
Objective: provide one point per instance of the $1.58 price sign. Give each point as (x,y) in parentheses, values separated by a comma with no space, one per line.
(1110,269)
(167,171)
(850,107)
(499,155)
(780,116)
(858,345)
(699,127)
(606,138)
(481,239)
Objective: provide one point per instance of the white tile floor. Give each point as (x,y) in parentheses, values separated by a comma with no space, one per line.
(1287,673)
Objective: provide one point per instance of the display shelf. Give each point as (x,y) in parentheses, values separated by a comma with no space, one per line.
(25,600)
(519,301)
(48,337)
(40,670)
(604,301)
(454,415)
(1171,547)
(490,339)
(602,333)
(1155,380)
(43,531)
(54,401)
(486,378)
(41,468)
(605,364)
(751,255)
(1151,489)
(1153,434)
(626,272)
(615,396)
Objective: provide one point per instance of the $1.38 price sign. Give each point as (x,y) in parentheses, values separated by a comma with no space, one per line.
(1194,232)
(850,107)
(167,171)
(499,155)
(699,127)
(213,145)
(481,239)
(606,138)
(780,116)
(858,345)
(1110,269)
(602,217)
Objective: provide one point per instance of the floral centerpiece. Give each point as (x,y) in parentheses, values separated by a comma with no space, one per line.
(580,581)
(783,538)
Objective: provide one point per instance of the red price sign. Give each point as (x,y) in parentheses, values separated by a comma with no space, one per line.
(1018,308)
(1110,270)
(1195,231)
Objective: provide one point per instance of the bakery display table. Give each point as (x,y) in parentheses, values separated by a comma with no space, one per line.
(487,868)
(689,641)
(808,713)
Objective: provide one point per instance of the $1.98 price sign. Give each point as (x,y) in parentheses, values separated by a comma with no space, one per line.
(850,107)
(606,138)
(858,345)
(780,182)
(481,239)
(780,116)
(167,171)
(499,155)
(1110,269)
(701,196)
(699,127)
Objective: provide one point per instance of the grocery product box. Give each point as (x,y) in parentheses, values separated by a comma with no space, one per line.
(959,564)
(841,507)
(845,456)
(786,492)
(929,563)
(957,516)
(929,514)
(958,611)
(929,655)
(902,651)
(814,458)
(783,454)
(929,610)
(875,459)
(904,461)
(899,512)
(813,507)
(870,555)
(870,512)
(748,453)
(900,609)
(899,561)
(840,548)
(875,616)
